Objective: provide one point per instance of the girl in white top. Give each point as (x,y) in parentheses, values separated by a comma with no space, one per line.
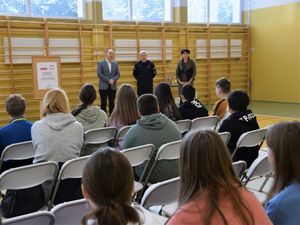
(107,183)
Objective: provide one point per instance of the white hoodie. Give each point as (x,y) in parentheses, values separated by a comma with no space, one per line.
(57,137)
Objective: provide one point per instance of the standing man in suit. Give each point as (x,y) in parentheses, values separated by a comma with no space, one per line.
(108,73)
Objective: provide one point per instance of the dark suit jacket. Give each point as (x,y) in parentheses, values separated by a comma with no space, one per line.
(104,75)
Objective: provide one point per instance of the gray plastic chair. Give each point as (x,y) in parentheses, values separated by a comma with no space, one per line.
(122,133)
(71,213)
(205,123)
(29,176)
(72,168)
(225,136)
(36,218)
(100,136)
(239,168)
(184,125)
(17,151)
(250,139)
(137,156)
(161,193)
(168,151)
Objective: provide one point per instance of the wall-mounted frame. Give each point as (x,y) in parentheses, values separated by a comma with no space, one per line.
(46,75)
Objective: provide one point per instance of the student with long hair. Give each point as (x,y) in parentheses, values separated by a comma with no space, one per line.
(107,183)
(89,116)
(125,111)
(210,193)
(57,136)
(166,102)
(283,140)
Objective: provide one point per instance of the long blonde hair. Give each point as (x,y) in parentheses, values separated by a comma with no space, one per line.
(125,110)
(55,100)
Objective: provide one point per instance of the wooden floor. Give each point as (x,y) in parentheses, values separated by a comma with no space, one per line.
(266,120)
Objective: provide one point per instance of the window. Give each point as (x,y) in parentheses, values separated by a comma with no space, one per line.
(42,8)
(115,9)
(16,7)
(137,10)
(214,11)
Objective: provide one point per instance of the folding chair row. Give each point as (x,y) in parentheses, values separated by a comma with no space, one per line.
(105,136)
(31,176)
(69,213)
(143,154)
(22,153)
(66,186)
(207,122)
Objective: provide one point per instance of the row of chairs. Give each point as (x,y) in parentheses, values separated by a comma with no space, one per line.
(32,175)
(111,134)
(207,122)
(166,193)
(69,213)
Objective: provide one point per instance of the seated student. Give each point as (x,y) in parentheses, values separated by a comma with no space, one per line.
(191,107)
(209,192)
(57,136)
(157,129)
(107,183)
(223,86)
(89,116)
(240,120)
(166,102)
(125,112)
(19,128)
(283,140)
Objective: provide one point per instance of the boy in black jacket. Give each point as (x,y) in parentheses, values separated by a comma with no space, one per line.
(240,121)
(191,107)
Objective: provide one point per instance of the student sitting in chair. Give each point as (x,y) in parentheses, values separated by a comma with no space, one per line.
(191,107)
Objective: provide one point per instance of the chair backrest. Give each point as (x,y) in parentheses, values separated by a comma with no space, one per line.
(168,151)
(161,193)
(205,123)
(122,133)
(260,167)
(28,176)
(239,168)
(184,125)
(138,155)
(72,168)
(100,136)
(71,213)
(36,218)
(225,136)
(250,139)
(18,151)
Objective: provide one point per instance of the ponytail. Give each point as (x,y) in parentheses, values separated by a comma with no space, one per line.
(77,110)
(112,213)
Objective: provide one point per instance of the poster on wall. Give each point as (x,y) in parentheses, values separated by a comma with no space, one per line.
(46,75)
